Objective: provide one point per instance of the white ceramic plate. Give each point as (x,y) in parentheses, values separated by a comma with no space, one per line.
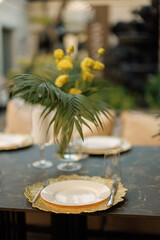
(75,193)
(14,141)
(99,144)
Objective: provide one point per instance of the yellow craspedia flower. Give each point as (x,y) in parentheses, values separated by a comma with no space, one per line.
(67,58)
(64,64)
(57,60)
(75,91)
(87,76)
(101,51)
(61,80)
(70,50)
(58,53)
(85,69)
(98,66)
(87,63)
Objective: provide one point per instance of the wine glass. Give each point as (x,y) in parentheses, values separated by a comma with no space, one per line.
(40,137)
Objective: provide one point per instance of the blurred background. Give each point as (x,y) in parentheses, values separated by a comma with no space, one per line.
(128,30)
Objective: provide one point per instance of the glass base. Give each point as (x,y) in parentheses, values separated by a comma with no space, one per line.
(69,166)
(42,164)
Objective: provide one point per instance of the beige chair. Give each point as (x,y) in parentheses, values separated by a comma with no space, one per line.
(18,117)
(139,127)
(108,126)
(23,118)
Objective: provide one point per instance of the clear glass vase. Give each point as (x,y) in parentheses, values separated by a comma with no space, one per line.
(69,154)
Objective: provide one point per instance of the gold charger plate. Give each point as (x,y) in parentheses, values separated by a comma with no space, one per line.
(97,145)
(30,192)
(14,141)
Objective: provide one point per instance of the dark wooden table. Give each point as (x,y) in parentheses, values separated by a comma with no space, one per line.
(140,174)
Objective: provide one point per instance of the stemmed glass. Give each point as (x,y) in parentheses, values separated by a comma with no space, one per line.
(40,137)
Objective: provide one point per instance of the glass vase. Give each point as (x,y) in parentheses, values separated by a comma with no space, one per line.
(69,153)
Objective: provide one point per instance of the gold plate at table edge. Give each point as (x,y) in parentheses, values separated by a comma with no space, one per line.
(125,146)
(26,143)
(30,192)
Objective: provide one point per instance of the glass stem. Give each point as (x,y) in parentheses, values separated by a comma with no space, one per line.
(42,146)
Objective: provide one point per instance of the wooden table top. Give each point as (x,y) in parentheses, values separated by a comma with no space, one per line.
(140,174)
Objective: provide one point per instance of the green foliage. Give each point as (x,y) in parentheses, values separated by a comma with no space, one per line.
(118,97)
(152,95)
(152,92)
(42,20)
(42,65)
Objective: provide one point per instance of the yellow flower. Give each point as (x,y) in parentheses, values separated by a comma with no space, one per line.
(84,68)
(58,53)
(75,91)
(61,80)
(67,58)
(87,63)
(98,66)
(101,51)
(57,60)
(87,76)
(70,50)
(64,64)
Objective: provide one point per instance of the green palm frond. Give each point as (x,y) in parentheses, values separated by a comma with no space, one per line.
(73,114)
(36,90)
(157,134)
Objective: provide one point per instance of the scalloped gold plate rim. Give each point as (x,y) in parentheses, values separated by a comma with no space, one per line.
(30,192)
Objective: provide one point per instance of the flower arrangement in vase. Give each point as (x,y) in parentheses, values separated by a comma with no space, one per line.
(69,89)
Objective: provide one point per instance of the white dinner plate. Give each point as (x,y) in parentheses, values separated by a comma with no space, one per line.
(14,141)
(75,193)
(99,144)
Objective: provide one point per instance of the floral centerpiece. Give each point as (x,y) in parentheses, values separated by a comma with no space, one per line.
(70,89)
